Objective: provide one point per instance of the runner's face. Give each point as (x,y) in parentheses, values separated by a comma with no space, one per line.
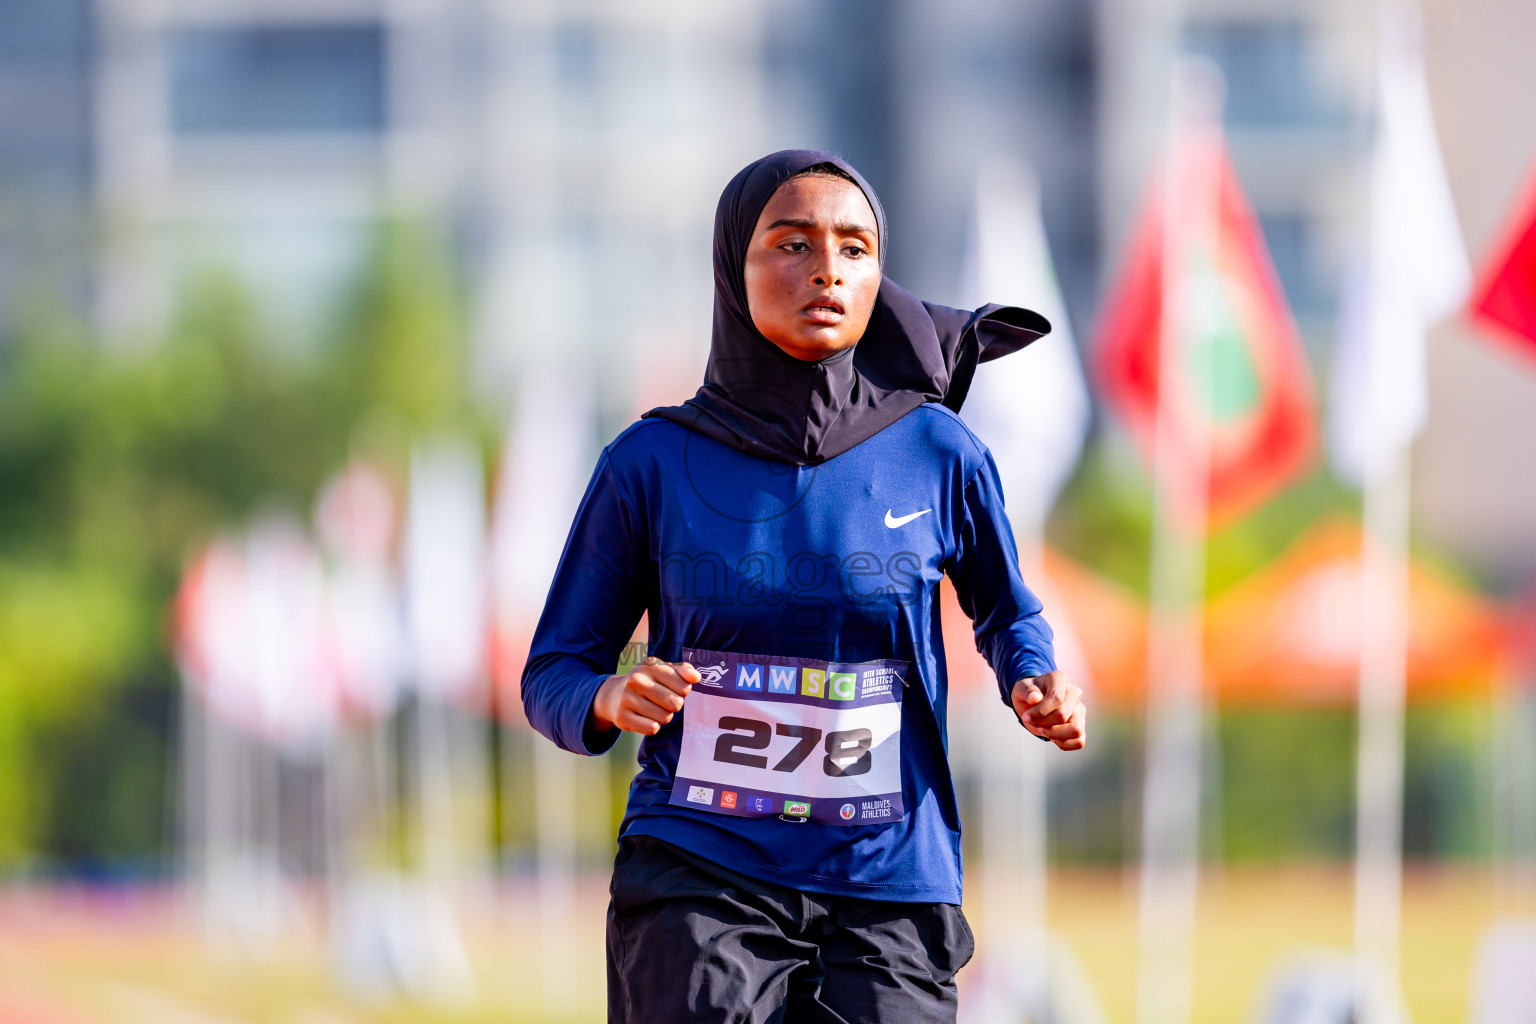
(812,269)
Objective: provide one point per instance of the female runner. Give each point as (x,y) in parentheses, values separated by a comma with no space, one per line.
(791,848)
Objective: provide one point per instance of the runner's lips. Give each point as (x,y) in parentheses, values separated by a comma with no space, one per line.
(825,309)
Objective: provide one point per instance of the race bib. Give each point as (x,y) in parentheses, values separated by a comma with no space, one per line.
(766,736)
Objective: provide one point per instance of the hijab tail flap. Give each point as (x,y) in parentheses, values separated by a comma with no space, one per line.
(1002,330)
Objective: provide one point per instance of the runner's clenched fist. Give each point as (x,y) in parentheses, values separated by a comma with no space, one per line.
(1051,707)
(646,699)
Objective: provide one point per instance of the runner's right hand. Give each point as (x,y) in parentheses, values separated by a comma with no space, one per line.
(646,699)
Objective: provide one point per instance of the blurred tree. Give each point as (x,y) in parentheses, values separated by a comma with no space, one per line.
(1104,520)
(1447,785)
(1288,783)
(1287,774)
(115,465)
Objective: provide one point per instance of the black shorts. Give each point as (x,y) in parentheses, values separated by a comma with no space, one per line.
(691,942)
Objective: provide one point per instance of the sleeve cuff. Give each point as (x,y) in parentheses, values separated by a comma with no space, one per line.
(1025,664)
(597,741)
(592,740)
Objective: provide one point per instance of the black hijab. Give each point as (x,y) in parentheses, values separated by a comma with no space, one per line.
(761,400)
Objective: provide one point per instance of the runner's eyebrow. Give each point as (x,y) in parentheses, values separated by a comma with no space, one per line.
(845,227)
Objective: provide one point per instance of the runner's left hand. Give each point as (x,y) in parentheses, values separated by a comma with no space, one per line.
(1051,706)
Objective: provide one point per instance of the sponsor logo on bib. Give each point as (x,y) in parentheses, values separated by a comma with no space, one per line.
(749,677)
(728,798)
(878,682)
(846,811)
(797,807)
(701,795)
(875,810)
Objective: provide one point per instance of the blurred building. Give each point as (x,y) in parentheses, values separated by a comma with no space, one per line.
(262,134)
(919,95)
(608,130)
(1297,87)
(259,138)
(47,54)
(560,148)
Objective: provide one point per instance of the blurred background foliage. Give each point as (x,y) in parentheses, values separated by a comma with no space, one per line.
(1280,782)
(115,464)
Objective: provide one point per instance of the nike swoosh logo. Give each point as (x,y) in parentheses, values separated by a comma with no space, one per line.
(893,521)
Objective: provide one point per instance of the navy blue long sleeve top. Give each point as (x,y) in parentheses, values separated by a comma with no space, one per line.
(726,551)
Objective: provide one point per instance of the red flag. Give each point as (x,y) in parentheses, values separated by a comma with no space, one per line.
(1506,292)
(1257,398)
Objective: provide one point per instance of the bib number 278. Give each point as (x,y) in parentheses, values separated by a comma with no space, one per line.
(846,751)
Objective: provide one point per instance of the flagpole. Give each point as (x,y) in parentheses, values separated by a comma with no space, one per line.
(1171,793)
(1033,767)
(1385,513)
(1379,770)
(538,494)
(555,798)
(1014,842)
(1416,273)
(1033,416)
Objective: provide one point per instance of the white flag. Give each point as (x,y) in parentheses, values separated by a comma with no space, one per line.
(1031,408)
(216,648)
(544,470)
(297,698)
(445,569)
(1414,270)
(355,520)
